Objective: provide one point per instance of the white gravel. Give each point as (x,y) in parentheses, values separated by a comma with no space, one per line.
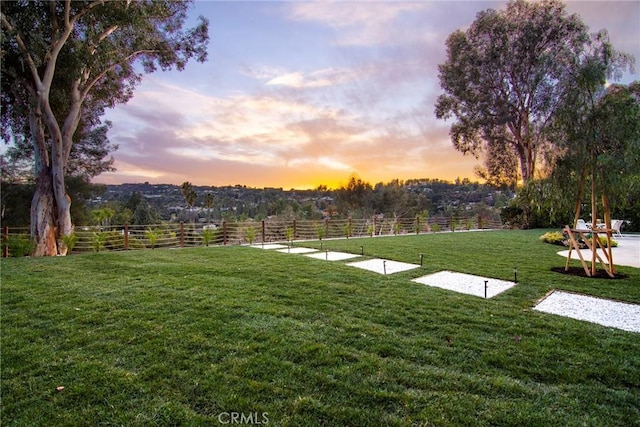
(604,312)
(383,266)
(332,256)
(465,283)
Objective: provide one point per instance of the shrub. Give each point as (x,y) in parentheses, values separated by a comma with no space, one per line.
(370,230)
(70,241)
(320,231)
(207,235)
(19,245)
(347,230)
(435,227)
(250,234)
(603,241)
(553,237)
(152,236)
(98,240)
(289,234)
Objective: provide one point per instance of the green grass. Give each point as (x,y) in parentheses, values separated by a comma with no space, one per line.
(181,336)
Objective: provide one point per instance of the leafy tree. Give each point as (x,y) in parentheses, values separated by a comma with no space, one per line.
(502,83)
(145,214)
(70,60)
(355,197)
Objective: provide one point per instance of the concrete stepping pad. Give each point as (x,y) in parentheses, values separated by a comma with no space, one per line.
(614,314)
(332,256)
(383,266)
(465,283)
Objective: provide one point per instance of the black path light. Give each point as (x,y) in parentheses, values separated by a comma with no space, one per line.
(384,267)
(421,258)
(515,274)
(361,250)
(486,285)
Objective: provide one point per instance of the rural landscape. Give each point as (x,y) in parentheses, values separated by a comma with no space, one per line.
(287,239)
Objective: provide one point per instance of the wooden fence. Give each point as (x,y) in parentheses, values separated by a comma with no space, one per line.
(16,241)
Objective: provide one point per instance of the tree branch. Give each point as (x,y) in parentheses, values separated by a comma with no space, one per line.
(23,49)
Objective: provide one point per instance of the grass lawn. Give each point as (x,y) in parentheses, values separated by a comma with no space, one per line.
(199,336)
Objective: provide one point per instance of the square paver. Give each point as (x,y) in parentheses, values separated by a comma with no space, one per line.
(383,266)
(614,314)
(332,256)
(297,250)
(269,246)
(465,283)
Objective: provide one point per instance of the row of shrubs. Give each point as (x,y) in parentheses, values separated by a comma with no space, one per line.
(561,239)
(20,245)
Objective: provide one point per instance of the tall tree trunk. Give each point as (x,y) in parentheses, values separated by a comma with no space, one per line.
(526,154)
(62,199)
(42,213)
(43,227)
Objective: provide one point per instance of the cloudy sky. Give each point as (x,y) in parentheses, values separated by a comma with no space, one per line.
(298,94)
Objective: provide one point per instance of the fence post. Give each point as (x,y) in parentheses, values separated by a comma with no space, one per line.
(479,222)
(375,227)
(182,234)
(126,237)
(295,230)
(224,232)
(326,228)
(5,237)
(417,224)
(263,231)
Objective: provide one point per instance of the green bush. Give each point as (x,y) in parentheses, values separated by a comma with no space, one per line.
(250,234)
(208,234)
(98,240)
(553,237)
(152,236)
(603,241)
(19,245)
(70,241)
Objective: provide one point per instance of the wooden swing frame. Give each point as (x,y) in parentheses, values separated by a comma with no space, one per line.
(591,237)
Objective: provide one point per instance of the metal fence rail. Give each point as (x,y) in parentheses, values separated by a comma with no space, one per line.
(16,240)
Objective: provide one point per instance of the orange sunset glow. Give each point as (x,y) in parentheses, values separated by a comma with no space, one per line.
(301,94)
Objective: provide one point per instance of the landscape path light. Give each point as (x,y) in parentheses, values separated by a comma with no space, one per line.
(515,274)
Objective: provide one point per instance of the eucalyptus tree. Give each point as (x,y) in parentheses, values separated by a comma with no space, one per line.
(501,83)
(70,59)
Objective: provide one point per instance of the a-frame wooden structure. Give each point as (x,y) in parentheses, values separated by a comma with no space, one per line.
(591,237)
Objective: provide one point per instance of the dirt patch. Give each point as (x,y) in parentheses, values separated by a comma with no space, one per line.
(579,271)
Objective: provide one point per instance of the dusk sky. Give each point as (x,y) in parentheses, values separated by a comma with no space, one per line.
(298,94)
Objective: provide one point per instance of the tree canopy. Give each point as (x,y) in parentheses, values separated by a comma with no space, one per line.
(66,62)
(502,82)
